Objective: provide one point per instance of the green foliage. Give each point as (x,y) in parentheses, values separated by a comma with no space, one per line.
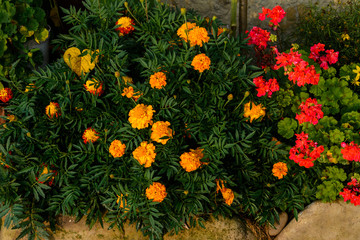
(20,21)
(335,25)
(85,180)
(330,188)
(286,127)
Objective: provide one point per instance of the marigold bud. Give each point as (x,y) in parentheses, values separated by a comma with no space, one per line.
(117,74)
(247,93)
(183,11)
(126,4)
(30,54)
(230,97)
(214,18)
(28,134)
(111,176)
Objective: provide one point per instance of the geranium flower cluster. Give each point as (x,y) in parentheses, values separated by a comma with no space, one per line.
(258,37)
(298,70)
(310,112)
(330,57)
(351,192)
(276,15)
(351,151)
(266,87)
(305,151)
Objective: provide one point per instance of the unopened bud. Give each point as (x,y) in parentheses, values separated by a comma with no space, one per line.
(214,18)
(126,4)
(183,11)
(247,93)
(188,81)
(117,74)
(230,97)
(111,176)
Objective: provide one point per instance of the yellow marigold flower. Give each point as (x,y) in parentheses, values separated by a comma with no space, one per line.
(145,154)
(201,62)
(117,148)
(94,86)
(158,80)
(127,79)
(141,116)
(12,118)
(126,25)
(53,109)
(30,87)
(156,192)
(90,135)
(161,129)
(190,161)
(279,170)
(128,92)
(345,36)
(198,36)
(183,31)
(254,112)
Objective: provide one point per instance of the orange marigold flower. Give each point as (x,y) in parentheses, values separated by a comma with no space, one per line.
(156,192)
(53,109)
(190,161)
(253,111)
(228,195)
(198,36)
(201,62)
(137,95)
(123,202)
(126,25)
(94,87)
(279,170)
(128,92)
(158,80)
(90,135)
(141,116)
(5,94)
(161,129)
(117,148)
(145,154)
(183,31)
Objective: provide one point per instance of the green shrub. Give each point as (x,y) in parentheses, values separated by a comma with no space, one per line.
(335,25)
(20,21)
(56,168)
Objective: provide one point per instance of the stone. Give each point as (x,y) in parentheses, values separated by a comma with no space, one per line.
(231,229)
(216,229)
(283,218)
(324,221)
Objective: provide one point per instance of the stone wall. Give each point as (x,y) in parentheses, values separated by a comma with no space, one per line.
(221,9)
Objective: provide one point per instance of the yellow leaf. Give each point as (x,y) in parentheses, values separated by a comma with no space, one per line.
(80,65)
